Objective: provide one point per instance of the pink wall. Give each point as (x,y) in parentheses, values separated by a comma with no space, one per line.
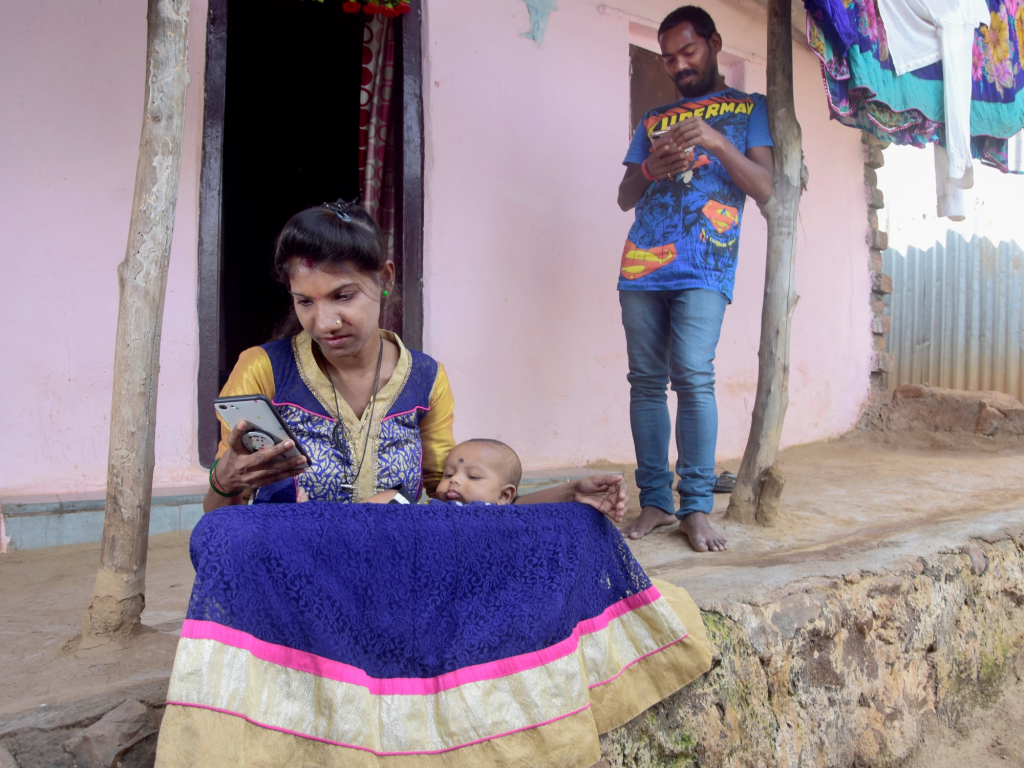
(71,90)
(523,236)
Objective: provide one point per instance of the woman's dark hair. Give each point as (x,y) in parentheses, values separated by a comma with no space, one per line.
(698,18)
(338,233)
(332,233)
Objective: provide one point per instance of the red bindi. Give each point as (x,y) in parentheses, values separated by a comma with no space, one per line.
(309,263)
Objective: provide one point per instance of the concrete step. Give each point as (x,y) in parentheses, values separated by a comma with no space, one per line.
(34,522)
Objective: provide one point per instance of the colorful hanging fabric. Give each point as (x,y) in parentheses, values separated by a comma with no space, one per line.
(864,91)
(834,22)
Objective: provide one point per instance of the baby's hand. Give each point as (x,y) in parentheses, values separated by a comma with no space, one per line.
(605,493)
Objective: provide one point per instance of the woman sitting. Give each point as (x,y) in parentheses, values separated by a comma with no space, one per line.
(372,414)
(455,636)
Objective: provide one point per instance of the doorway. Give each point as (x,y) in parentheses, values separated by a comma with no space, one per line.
(281,133)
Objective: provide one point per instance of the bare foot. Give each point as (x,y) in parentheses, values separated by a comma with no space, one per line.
(650,518)
(700,533)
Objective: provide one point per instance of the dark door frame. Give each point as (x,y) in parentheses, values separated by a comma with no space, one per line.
(408,204)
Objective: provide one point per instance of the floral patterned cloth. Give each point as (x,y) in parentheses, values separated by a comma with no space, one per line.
(864,91)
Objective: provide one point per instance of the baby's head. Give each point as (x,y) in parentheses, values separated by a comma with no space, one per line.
(480,470)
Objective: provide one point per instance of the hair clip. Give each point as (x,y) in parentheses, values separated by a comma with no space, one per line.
(340,214)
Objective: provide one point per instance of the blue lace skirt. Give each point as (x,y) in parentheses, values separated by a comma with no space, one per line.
(378,635)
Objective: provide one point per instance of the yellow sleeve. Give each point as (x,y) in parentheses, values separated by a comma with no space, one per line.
(252,375)
(436,434)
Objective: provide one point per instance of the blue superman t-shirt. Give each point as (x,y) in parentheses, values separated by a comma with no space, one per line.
(687,229)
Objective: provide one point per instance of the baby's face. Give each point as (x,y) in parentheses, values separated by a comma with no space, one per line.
(475,472)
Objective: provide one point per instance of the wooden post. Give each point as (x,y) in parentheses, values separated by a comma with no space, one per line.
(118,597)
(779,293)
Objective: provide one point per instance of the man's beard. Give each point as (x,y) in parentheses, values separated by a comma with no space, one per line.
(703,84)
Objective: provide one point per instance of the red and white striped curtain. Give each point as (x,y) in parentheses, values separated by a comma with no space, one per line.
(377,144)
(376,137)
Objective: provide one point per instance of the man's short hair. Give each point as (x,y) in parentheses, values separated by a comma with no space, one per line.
(698,18)
(509,459)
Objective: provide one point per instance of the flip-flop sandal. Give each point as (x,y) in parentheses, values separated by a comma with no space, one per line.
(726,483)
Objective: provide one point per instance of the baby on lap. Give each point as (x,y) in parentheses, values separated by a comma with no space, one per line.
(478,471)
(484,471)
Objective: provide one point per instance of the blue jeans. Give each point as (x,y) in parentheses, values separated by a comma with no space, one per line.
(671,336)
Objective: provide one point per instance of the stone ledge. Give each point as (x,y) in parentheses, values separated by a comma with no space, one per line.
(36,522)
(82,712)
(832,664)
(843,671)
(89,501)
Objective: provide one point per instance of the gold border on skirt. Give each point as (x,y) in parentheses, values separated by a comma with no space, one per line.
(192,736)
(200,738)
(210,674)
(655,678)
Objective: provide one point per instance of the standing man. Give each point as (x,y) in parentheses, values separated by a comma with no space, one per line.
(689,169)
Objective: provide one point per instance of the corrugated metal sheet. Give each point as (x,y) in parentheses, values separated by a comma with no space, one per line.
(957,315)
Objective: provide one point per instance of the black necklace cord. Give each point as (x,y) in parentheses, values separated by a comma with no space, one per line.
(335,432)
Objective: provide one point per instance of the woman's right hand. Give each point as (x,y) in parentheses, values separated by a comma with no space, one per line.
(238,469)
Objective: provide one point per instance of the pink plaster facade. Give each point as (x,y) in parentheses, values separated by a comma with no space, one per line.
(524,236)
(522,241)
(72,75)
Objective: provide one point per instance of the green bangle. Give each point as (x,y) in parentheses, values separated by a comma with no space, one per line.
(218,491)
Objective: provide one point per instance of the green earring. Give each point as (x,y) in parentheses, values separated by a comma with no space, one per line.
(385,294)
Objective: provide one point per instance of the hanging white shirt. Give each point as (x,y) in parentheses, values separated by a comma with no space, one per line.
(921,33)
(914,28)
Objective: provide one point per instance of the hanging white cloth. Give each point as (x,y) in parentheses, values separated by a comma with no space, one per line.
(921,33)
(949,198)
(914,28)
(1015,153)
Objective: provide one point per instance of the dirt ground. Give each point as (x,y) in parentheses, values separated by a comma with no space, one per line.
(841,497)
(993,739)
(42,601)
(849,494)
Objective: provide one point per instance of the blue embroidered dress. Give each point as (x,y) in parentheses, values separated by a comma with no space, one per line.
(409,435)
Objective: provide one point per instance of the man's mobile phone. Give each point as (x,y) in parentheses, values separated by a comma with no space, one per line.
(265,429)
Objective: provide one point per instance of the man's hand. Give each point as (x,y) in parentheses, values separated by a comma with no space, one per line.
(693,131)
(751,172)
(668,159)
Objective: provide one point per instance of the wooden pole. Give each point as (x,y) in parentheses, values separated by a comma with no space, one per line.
(118,597)
(780,297)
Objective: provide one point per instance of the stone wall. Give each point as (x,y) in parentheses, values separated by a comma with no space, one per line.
(878,241)
(844,672)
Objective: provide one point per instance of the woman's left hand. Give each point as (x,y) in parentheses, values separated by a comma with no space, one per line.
(605,493)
